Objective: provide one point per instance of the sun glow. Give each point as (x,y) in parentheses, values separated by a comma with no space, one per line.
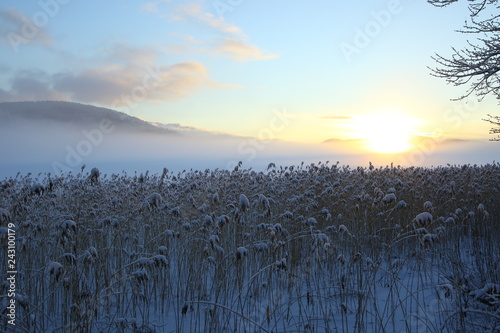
(386,132)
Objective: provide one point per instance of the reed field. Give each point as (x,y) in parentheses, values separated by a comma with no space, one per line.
(307,248)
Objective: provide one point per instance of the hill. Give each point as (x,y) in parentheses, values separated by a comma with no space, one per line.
(15,114)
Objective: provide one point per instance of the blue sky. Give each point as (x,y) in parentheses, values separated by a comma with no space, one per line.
(229,65)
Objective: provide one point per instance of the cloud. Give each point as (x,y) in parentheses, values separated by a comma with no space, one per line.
(123,54)
(194,12)
(133,78)
(118,85)
(335,140)
(5,96)
(96,85)
(152,6)
(196,132)
(429,141)
(18,29)
(230,42)
(30,85)
(230,47)
(240,50)
(179,80)
(336,117)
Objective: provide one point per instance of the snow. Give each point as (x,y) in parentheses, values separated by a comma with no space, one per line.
(244,203)
(68,224)
(389,198)
(423,218)
(54,268)
(4,215)
(288,268)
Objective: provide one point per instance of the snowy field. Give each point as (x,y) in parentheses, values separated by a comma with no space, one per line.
(316,248)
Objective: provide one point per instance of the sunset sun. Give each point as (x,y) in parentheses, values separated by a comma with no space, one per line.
(386,132)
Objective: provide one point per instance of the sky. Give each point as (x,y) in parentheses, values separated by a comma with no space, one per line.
(304,72)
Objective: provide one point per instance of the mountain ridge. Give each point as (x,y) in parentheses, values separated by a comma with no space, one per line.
(70,113)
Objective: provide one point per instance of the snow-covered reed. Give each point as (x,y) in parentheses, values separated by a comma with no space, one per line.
(318,248)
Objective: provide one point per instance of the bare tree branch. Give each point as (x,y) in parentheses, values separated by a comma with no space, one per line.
(478,65)
(441,3)
(495,120)
(475,6)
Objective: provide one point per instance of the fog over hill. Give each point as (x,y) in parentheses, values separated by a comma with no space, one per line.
(73,114)
(54,136)
(62,137)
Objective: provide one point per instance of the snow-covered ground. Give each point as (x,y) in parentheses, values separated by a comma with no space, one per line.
(316,248)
